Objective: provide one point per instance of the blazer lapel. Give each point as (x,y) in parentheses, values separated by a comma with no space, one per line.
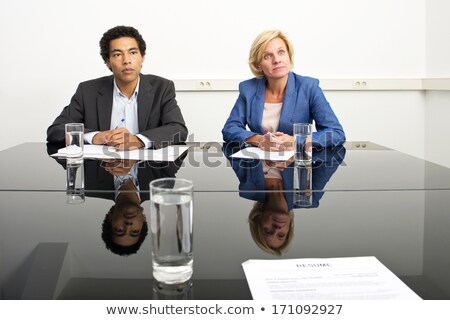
(257,107)
(285,124)
(104,104)
(288,184)
(145,101)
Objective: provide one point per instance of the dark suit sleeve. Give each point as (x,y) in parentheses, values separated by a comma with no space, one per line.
(171,128)
(73,113)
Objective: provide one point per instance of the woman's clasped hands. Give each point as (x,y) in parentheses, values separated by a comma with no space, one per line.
(277,142)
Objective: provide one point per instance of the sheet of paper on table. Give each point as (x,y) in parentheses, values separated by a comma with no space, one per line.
(170,153)
(257,153)
(355,278)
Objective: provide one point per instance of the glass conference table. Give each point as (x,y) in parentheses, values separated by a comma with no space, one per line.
(365,200)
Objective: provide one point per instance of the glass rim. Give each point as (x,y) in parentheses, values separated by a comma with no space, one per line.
(301,124)
(74,124)
(189,185)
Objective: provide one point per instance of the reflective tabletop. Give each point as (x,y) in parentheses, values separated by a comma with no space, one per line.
(358,200)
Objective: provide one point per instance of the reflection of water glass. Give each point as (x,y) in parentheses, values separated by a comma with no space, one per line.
(303,186)
(181,291)
(303,143)
(171,210)
(74,140)
(75,182)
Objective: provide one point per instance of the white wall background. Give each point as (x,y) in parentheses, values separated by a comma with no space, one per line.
(438,66)
(49,46)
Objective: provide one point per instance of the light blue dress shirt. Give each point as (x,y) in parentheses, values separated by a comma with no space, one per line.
(124,115)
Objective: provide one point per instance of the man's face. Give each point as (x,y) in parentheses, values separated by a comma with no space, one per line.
(125,60)
(126,223)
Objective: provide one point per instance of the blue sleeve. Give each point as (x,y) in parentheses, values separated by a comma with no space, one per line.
(235,129)
(329,131)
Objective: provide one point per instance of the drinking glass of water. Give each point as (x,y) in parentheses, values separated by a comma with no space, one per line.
(303,193)
(75,182)
(171,210)
(303,143)
(74,140)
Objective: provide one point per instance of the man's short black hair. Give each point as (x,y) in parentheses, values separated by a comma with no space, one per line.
(119,32)
(107,234)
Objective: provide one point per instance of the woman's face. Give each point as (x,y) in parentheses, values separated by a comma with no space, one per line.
(275,226)
(275,61)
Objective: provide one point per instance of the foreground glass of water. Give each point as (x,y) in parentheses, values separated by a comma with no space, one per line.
(171,209)
(179,291)
(303,143)
(74,141)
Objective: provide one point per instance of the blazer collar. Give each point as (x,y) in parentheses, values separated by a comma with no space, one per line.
(258,105)
(288,104)
(104,103)
(145,101)
(290,86)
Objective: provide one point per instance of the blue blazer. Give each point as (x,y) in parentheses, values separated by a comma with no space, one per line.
(303,102)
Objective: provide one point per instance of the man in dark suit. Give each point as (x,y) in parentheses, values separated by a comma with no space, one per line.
(127,110)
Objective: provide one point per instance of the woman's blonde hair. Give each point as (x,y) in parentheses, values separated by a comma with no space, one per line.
(258,46)
(257,231)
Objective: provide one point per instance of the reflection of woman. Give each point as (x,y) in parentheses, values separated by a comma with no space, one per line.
(271,222)
(277,98)
(271,185)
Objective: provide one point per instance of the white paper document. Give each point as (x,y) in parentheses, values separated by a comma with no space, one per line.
(257,153)
(324,279)
(170,153)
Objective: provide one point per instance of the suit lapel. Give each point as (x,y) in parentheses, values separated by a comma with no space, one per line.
(104,104)
(257,107)
(285,124)
(288,184)
(145,101)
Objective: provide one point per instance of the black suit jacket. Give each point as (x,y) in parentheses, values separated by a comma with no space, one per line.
(97,180)
(159,115)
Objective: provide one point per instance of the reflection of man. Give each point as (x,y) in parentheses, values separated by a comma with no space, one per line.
(127,110)
(126,182)
(125,227)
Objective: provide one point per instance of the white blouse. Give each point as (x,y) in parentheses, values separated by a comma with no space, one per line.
(271,116)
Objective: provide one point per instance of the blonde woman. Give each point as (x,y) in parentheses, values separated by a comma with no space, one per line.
(277,98)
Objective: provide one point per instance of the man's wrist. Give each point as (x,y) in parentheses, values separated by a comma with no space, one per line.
(141,144)
(147,143)
(89,137)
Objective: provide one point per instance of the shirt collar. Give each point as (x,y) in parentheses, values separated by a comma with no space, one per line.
(117,92)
